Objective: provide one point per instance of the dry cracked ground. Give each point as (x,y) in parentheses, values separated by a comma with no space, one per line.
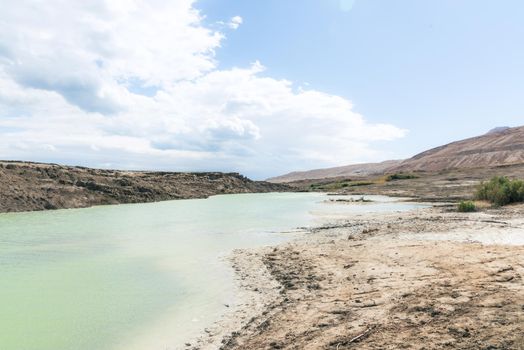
(364,285)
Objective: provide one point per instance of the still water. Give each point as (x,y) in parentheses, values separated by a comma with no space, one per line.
(141,276)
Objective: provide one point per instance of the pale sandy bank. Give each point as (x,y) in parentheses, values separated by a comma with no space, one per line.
(414,280)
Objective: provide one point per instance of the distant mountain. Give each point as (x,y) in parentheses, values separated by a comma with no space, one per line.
(343,171)
(500,146)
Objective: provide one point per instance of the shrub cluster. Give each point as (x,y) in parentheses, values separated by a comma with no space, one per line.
(400,176)
(332,186)
(501,191)
(467,207)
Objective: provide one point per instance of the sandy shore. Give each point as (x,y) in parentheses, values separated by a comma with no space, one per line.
(412,280)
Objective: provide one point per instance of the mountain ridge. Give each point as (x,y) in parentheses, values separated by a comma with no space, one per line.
(355,170)
(503,147)
(499,146)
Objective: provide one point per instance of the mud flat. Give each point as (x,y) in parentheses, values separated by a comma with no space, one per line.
(425,279)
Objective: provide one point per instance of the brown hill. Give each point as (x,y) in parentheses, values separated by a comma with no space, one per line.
(501,146)
(343,171)
(28,186)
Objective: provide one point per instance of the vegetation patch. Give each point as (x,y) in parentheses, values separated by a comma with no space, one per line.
(501,191)
(467,207)
(339,185)
(401,176)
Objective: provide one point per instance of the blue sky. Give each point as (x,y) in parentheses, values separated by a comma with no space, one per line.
(262,87)
(443,69)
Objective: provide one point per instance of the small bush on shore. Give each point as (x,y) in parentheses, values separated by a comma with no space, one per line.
(333,186)
(400,176)
(501,191)
(467,207)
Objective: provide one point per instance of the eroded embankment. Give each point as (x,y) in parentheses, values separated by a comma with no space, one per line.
(359,285)
(28,186)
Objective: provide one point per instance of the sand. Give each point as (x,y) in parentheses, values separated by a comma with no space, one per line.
(426,279)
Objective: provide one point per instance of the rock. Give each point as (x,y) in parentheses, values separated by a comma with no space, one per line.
(42,186)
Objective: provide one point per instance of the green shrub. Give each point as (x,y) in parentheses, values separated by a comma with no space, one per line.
(501,191)
(333,186)
(400,176)
(466,207)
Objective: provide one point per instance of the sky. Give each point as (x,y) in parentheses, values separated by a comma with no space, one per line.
(261,87)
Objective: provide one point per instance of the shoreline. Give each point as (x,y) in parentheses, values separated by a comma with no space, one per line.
(40,186)
(375,278)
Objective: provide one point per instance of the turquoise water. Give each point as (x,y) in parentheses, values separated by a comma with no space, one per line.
(141,276)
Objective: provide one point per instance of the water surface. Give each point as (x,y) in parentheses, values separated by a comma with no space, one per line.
(136,277)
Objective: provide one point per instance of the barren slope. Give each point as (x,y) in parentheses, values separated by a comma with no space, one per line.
(496,148)
(34,186)
(343,171)
(499,147)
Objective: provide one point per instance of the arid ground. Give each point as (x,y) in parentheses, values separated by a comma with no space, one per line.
(441,186)
(27,186)
(394,281)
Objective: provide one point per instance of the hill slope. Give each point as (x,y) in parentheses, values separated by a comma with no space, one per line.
(36,186)
(343,171)
(502,146)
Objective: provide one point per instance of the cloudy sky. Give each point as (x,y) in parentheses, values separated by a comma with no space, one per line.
(259,87)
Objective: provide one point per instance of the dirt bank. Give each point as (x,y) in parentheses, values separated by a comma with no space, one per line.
(36,186)
(372,282)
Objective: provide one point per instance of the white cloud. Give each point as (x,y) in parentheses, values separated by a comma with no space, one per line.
(87,51)
(73,83)
(235,22)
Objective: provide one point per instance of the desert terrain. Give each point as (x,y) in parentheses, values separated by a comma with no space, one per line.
(441,186)
(500,147)
(378,282)
(431,278)
(27,186)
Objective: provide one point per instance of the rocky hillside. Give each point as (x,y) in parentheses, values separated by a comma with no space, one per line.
(35,186)
(500,146)
(338,172)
